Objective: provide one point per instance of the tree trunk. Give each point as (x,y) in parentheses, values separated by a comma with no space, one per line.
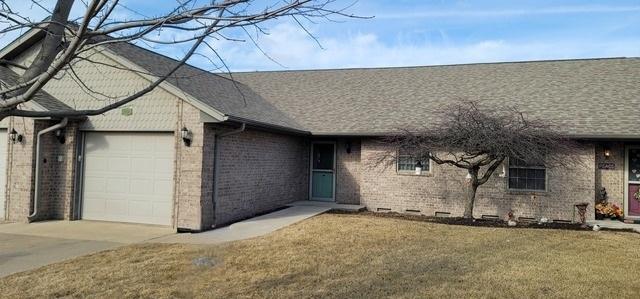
(52,43)
(472,187)
(469,201)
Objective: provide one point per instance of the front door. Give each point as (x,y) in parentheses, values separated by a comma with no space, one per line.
(632,203)
(322,171)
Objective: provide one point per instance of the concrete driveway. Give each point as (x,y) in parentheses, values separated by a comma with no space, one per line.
(29,246)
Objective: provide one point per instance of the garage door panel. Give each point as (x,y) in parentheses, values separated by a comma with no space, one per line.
(162,210)
(95,205)
(141,208)
(95,184)
(119,165)
(162,187)
(117,186)
(128,177)
(142,165)
(163,168)
(142,187)
(116,207)
(96,164)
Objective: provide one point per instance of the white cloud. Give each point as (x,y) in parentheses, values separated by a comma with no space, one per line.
(291,47)
(508,12)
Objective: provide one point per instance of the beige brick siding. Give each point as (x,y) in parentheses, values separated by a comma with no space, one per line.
(258,172)
(20,171)
(194,172)
(348,171)
(58,163)
(442,190)
(57,177)
(611,179)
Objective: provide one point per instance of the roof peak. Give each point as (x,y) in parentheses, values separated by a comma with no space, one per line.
(436,65)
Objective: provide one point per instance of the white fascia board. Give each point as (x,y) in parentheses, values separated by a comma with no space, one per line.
(18,41)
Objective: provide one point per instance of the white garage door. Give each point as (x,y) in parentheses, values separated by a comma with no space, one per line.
(128,177)
(3,170)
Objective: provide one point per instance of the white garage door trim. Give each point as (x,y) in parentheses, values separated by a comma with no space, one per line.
(128,177)
(3,172)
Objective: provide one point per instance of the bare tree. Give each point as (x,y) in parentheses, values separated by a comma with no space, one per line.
(479,137)
(201,23)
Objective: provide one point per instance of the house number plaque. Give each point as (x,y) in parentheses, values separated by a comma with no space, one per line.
(607,165)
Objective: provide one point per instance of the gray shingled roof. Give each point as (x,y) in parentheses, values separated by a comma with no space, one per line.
(42,98)
(220,93)
(591,97)
(585,97)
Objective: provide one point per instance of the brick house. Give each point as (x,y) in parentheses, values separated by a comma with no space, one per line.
(203,150)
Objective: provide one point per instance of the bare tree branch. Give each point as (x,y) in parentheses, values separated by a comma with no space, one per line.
(67,40)
(476,137)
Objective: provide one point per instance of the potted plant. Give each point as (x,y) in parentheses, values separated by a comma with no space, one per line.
(511,219)
(608,210)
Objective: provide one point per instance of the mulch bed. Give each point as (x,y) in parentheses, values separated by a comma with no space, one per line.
(470,222)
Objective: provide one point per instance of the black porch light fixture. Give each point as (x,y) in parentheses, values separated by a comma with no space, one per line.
(15,137)
(186,136)
(607,152)
(60,136)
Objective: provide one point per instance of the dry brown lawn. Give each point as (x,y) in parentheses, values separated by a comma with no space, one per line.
(352,256)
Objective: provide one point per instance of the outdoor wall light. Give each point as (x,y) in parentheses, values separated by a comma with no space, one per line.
(607,152)
(348,147)
(186,136)
(15,137)
(504,171)
(418,168)
(60,136)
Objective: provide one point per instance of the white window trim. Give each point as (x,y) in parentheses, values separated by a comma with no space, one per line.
(411,172)
(546,178)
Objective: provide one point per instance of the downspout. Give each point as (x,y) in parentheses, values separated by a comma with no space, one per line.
(216,150)
(36,196)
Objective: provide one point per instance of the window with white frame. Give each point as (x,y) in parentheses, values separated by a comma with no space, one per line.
(527,176)
(408,163)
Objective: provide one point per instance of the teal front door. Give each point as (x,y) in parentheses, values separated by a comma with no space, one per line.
(322,170)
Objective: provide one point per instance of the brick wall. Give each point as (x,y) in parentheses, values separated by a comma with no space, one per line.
(258,172)
(193,172)
(611,179)
(442,189)
(57,172)
(348,171)
(20,170)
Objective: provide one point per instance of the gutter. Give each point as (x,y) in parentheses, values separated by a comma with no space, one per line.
(216,154)
(36,197)
(263,125)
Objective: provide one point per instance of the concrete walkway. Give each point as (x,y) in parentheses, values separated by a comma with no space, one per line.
(327,204)
(28,246)
(614,224)
(250,228)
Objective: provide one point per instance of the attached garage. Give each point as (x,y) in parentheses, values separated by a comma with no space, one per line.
(128,177)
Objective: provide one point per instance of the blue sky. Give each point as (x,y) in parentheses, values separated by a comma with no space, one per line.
(405,33)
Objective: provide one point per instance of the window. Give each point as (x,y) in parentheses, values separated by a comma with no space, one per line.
(407,163)
(523,176)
